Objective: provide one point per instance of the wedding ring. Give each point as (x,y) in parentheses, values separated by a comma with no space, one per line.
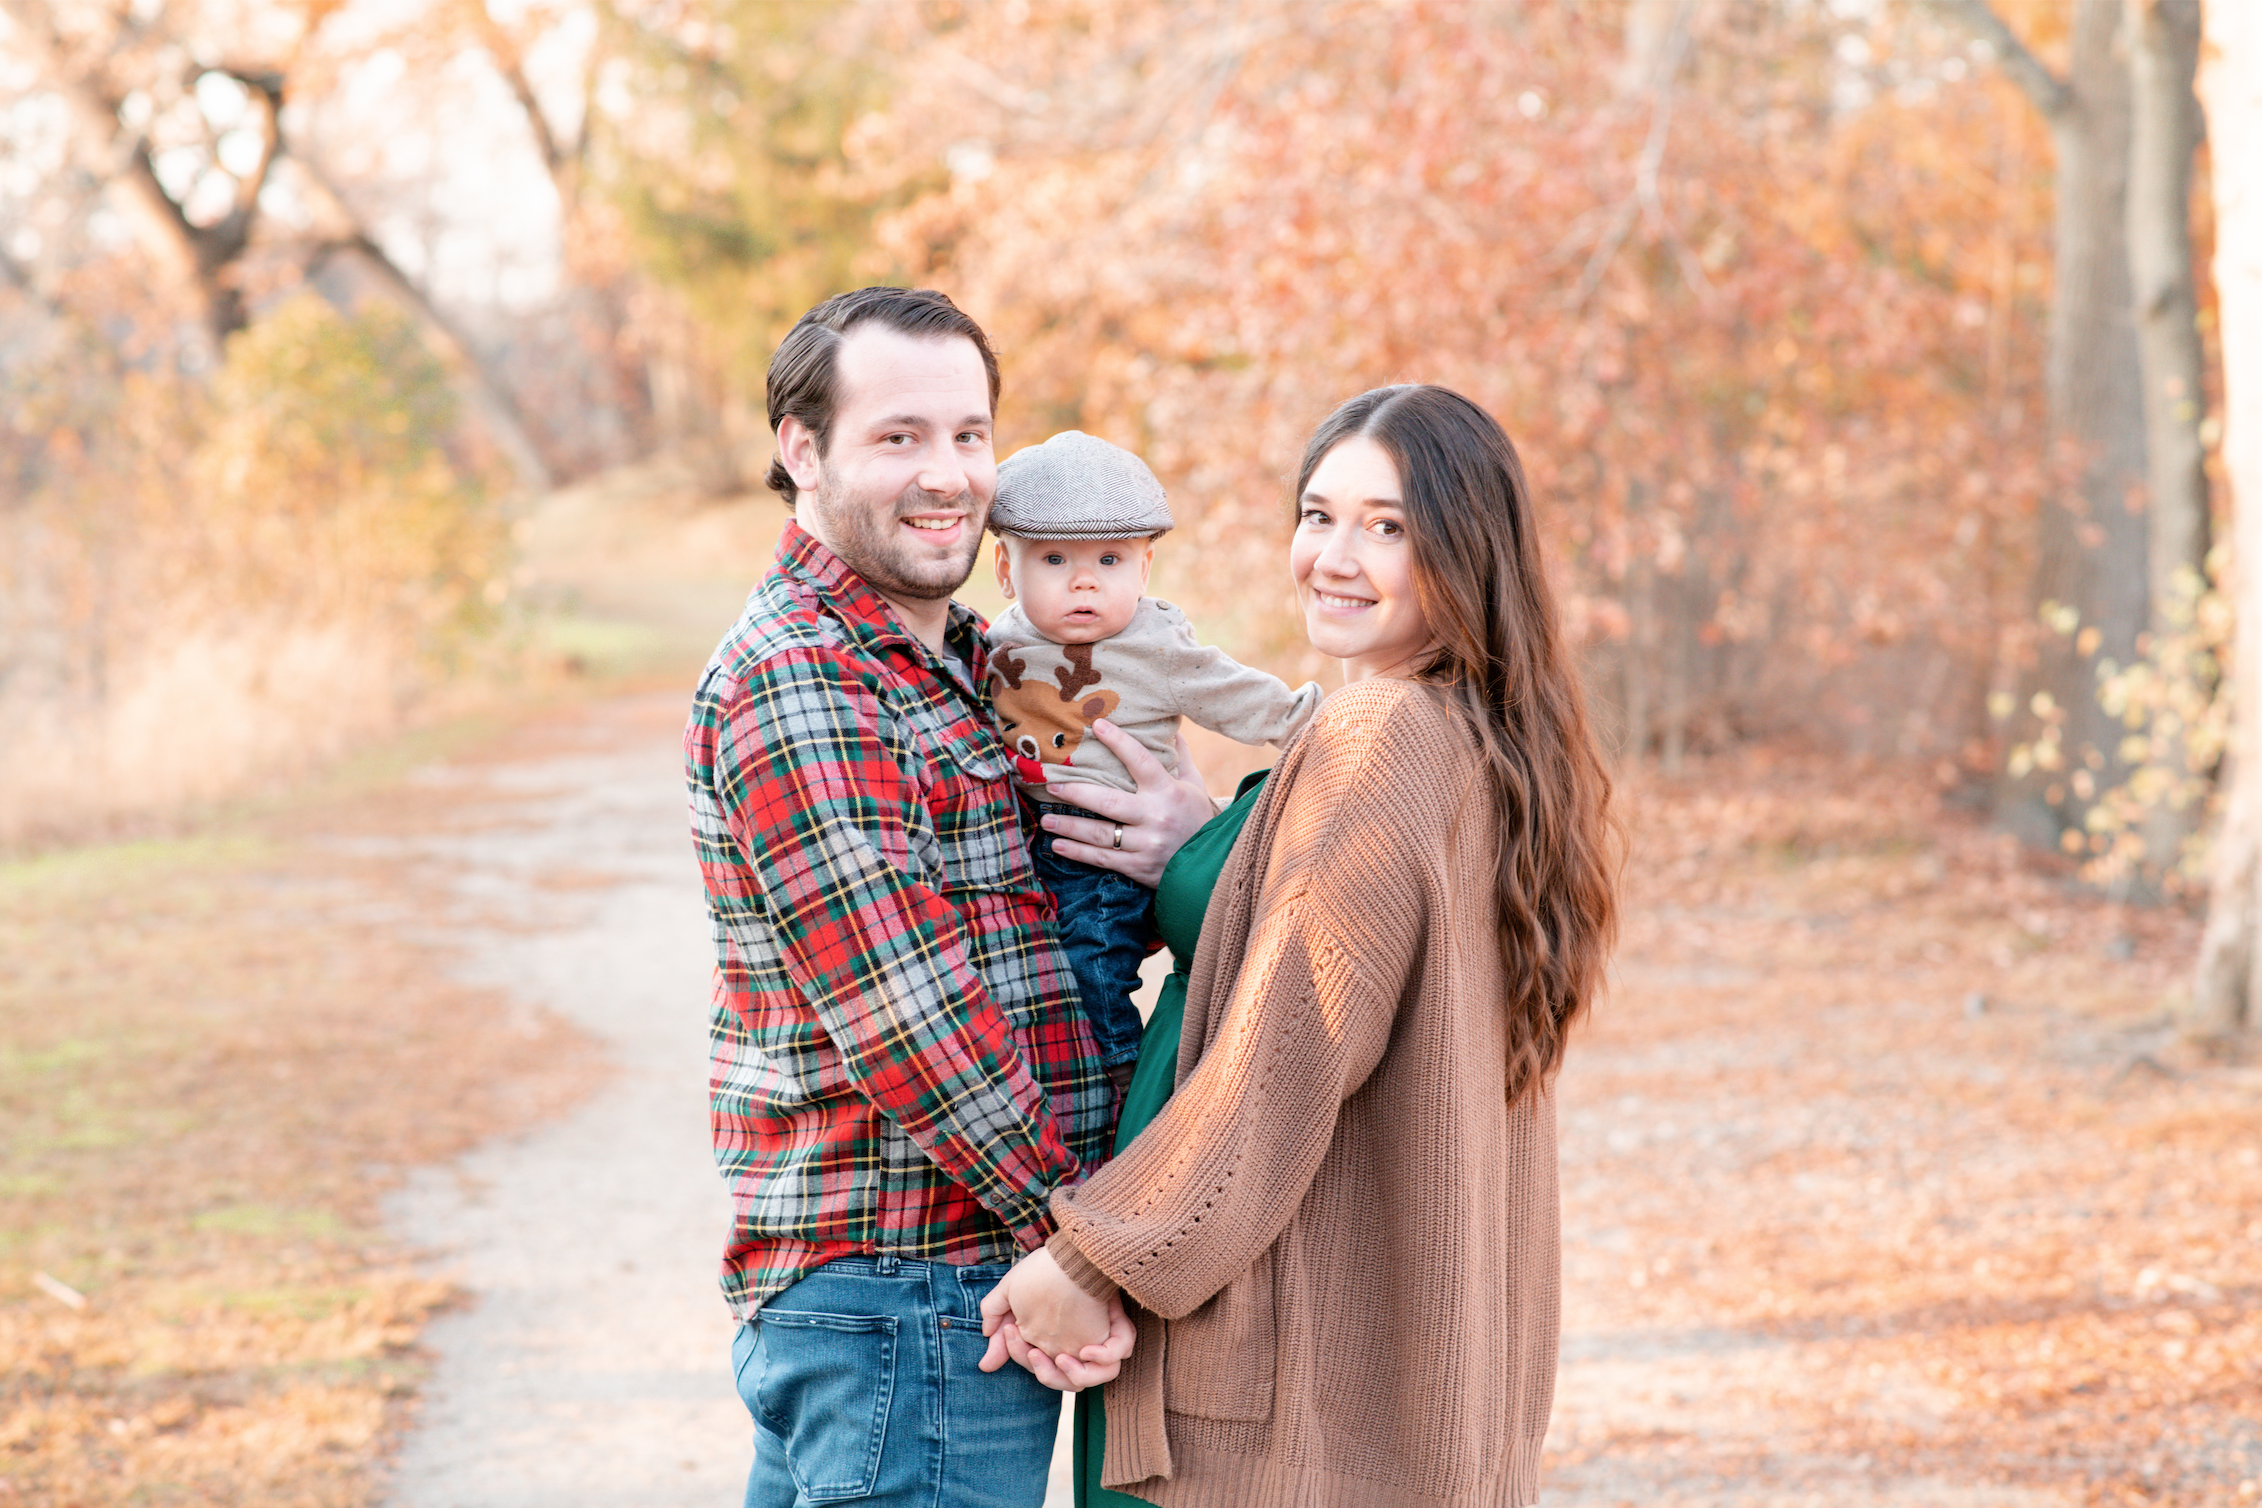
(1118,843)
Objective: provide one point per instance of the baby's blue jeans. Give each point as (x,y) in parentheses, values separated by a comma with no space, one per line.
(1106,920)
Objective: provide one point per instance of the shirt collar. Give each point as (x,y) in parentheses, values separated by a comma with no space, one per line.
(808,559)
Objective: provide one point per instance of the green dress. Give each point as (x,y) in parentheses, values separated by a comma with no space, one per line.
(1180,901)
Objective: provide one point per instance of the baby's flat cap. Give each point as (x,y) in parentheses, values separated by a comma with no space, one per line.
(1077,486)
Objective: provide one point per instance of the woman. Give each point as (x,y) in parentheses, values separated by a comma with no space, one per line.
(1341,1228)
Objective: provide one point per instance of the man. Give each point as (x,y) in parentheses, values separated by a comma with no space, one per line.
(900,1078)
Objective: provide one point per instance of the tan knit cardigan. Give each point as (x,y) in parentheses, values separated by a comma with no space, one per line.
(1339,1238)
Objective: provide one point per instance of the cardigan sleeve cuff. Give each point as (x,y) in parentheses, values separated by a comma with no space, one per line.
(1080,1272)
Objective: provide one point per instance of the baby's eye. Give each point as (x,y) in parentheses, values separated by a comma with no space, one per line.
(1056,558)
(1108,560)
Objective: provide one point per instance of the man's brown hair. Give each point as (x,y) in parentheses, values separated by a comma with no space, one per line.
(804,378)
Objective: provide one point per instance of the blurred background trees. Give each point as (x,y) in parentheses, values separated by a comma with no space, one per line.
(1864,350)
(2224,1001)
(2123,128)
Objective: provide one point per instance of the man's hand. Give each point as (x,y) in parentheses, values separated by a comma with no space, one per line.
(1155,819)
(1039,1318)
(1069,1374)
(1052,1313)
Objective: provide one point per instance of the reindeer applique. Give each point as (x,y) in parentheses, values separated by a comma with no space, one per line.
(1041,726)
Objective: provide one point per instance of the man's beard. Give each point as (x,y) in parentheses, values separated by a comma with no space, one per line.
(865,535)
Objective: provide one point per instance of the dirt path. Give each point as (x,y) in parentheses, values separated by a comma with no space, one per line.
(591,1366)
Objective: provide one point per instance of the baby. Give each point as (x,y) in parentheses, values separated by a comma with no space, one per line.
(1076,520)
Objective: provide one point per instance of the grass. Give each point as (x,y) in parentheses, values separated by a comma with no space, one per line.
(214,1067)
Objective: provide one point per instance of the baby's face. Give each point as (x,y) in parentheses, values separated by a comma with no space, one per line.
(1075,591)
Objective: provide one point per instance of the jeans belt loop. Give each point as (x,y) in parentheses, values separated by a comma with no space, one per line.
(886,1264)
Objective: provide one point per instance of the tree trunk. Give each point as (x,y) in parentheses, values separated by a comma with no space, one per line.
(478,383)
(2091,554)
(1683,619)
(1654,42)
(2164,133)
(1641,629)
(2223,995)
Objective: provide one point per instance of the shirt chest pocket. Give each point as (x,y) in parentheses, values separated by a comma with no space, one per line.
(975,840)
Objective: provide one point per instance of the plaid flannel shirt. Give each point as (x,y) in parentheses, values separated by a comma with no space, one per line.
(898,1062)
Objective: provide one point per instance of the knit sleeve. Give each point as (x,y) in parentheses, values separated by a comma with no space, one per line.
(1245,704)
(1213,1181)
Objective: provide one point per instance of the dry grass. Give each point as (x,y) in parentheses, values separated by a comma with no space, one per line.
(207,713)
(1882,1168)
(634,574)
(220,1051)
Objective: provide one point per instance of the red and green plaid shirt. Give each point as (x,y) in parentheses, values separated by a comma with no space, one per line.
(898,1064)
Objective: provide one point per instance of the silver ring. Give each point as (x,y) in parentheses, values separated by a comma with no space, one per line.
(1118,843)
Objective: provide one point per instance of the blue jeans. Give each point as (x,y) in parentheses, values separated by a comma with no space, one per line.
(1105,922)
(863,1386)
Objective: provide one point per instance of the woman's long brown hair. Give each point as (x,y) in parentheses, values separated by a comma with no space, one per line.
(1499,660)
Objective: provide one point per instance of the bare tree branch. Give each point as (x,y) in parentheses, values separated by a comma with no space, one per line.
(490,399)
(268,86)
(1644,201)
(162,229)
(198,257)
(2051,95)
(561,159)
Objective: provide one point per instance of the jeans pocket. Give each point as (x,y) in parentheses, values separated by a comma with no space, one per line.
(824,1387)
(976,1279)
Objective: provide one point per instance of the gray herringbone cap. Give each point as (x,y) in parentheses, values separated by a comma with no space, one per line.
(1077,486)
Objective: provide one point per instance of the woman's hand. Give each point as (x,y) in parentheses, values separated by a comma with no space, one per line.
(1153,820)
(1068,1374)
(1037,1316)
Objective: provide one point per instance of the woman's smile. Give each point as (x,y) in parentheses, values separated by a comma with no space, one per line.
(1354,565)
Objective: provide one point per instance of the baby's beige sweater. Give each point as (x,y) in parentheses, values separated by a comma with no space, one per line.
(1143,680)
(1339,1238)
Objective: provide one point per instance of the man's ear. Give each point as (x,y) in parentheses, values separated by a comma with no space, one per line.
(1004,571)
(797,451)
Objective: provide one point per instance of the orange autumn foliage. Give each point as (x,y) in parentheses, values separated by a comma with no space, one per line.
(1765,325)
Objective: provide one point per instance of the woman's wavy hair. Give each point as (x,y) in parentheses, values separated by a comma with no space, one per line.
(1500,662)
